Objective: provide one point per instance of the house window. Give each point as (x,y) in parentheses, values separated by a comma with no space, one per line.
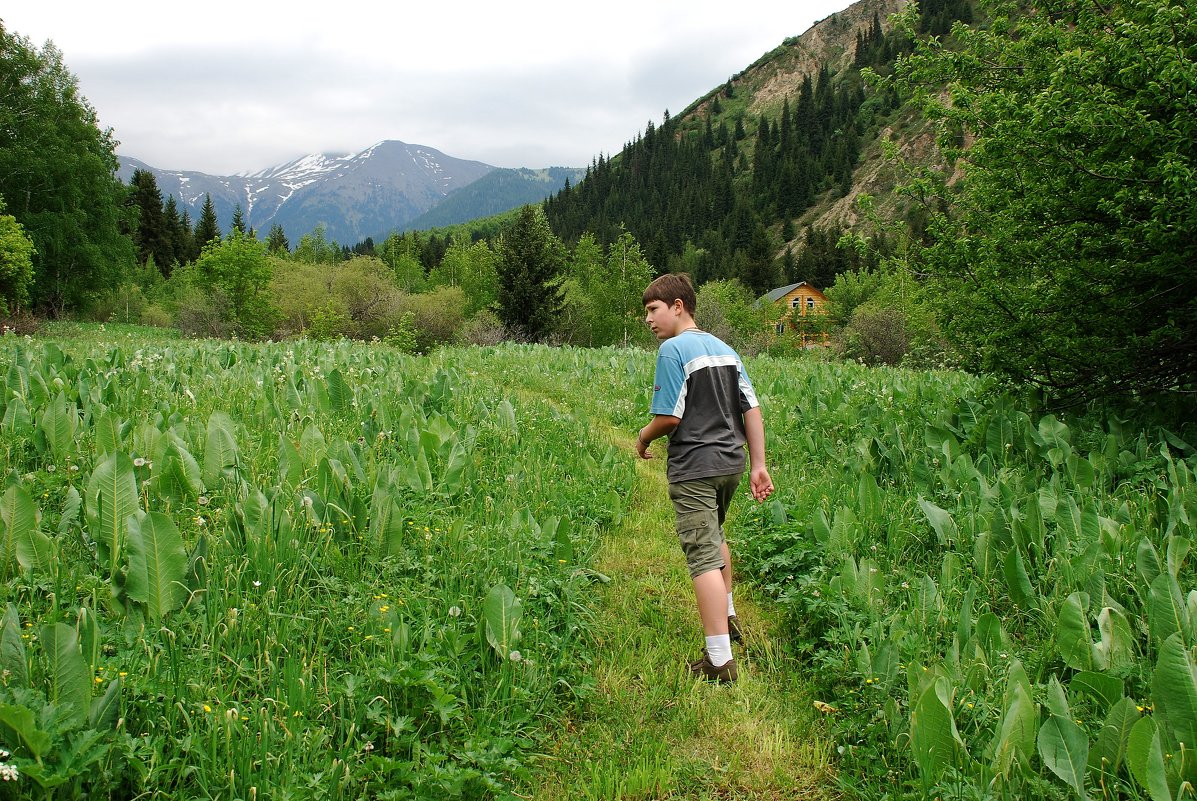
(781,328)
(795,303)
(810,303)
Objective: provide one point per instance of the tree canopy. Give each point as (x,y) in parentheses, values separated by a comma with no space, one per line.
(1066,258)
(531,259)
(58,177)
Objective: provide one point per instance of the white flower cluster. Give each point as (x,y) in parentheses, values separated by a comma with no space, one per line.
(8,773)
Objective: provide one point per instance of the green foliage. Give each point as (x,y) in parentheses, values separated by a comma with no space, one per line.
(57,174)
(293,549)
(1064,260)
(436,317)
(239,268)
(473,268)
(316,248)
(155,233)
(531,261)
(207,230)
(603,300)
(729,311)
(1028,574)
(16,264)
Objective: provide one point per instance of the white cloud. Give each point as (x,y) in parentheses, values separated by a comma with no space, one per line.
(227,87)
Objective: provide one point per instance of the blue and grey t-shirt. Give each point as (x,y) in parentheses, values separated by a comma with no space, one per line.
(702,380)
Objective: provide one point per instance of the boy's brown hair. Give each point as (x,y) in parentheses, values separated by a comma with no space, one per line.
(671,287)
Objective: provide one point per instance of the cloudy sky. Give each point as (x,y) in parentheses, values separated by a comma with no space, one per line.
(225,87)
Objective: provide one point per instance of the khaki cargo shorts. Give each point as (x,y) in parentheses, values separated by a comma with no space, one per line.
(701,507)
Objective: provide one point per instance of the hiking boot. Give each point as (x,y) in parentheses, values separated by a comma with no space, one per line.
(733,629)
(703,669)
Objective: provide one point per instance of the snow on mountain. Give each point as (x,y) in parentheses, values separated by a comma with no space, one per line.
(354,195)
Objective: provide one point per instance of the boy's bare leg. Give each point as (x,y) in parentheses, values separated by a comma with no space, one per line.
(711,592)
(727,568)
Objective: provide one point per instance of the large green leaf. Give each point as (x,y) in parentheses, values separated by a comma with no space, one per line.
(1015,739)
(1174,691)
(87,626)
(37,553)
(1116,649)
(157,564)
(1101,688)
(18,725)
(59,422)
(1166,610)
(940,520)
(1073,635)
(177,473)
(502,610)
(13,660)
(108,433)
(70,684)
(1018,583)
(340,396)
(1110,749)
(933,736)
(1062,745)
(290,465)
(111,498)
(18,422)
(105,710)
(220,450)
(19,517)
(1145,756)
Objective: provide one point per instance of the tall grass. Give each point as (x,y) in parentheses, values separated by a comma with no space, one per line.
(382,562)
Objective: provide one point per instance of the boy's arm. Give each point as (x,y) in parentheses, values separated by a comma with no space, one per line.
(661,425)
(754,428)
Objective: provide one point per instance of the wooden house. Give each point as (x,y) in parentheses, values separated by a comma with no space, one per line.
(801,301)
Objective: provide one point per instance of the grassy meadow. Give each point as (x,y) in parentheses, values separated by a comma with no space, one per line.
(334,570)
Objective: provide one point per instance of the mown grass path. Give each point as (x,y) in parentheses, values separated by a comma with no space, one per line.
(652,732)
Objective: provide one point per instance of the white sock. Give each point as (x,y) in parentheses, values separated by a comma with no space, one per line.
(719,649)
(731,608)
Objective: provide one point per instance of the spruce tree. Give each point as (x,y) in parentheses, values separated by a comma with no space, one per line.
(184,238)
(276,241)
(206,230)
(531,259)
(239,220)
(152,235)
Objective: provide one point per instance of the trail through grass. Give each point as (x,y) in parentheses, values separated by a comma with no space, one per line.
(651,731)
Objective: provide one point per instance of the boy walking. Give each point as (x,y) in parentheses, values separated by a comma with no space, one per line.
(704,402)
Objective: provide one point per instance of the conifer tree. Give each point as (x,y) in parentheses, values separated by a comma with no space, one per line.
(276,241)
(206,229)
(153,235)
(185,250)
(530,262)
(239,220)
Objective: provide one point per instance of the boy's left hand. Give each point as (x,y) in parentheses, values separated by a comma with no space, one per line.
(761,483)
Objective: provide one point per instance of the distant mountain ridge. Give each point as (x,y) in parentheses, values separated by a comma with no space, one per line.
(370,193)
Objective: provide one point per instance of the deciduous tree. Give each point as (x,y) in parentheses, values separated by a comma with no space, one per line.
(58,175)
(1068,259)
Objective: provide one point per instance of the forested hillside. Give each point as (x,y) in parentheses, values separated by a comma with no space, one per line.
(1004,187)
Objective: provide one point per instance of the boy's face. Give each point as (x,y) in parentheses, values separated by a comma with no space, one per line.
(664,319)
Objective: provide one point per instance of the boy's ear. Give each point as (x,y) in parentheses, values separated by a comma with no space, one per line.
(677,305)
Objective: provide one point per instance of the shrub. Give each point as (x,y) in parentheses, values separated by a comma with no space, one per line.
(157,316)
(438,315)
(484,328)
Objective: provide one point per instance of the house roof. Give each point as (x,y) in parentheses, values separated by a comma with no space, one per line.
(782,291)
